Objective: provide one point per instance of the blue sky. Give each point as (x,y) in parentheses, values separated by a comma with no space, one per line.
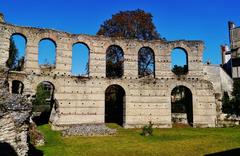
(174,19)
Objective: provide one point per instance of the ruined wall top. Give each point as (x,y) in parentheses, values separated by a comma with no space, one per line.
(97,51)
(1,17)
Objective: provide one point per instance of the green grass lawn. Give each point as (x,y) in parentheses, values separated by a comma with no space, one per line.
(129,142)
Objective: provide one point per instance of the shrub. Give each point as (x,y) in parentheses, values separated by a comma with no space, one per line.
(147,129)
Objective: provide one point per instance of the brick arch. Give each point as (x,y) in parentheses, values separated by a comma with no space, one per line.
(123,85)
(20,34)
(181,45)
(180,83)
(54,83)
(81,42)
(49,38)
(115,45)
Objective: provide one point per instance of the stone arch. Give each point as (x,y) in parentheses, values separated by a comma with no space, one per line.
(182,105)
(44,102)
(86,63)
(48,82)
(146,62)
(114,62)
(50,60)
(20,34)
(17,87)
(115,104)
(183,68)
(180,83)
(193,96)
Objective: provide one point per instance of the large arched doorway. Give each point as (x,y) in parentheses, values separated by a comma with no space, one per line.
(182,105)
(115,105)
(43,102)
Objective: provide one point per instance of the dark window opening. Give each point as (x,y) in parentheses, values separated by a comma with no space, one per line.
(114,62)
(146,62)
(17,87)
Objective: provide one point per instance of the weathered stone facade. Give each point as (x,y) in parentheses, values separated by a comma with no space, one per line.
(82,100)
(15,112)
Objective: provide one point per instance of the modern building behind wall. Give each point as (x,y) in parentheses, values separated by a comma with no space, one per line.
(231,56)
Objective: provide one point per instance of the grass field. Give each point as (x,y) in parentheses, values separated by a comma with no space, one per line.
(129,142)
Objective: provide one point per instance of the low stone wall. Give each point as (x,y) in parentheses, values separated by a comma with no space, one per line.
(179,118)
(89,130)
(14,114)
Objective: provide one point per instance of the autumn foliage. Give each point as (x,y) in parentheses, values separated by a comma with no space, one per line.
(135,24)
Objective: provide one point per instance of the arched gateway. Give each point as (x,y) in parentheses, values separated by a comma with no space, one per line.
(115,104)
(182,105)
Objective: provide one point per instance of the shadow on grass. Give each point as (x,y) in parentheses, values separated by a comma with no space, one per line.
(232,152)
(33,151)
(42,119)
(7,150)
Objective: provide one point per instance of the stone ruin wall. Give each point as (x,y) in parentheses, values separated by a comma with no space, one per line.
(82,100)
(15,111)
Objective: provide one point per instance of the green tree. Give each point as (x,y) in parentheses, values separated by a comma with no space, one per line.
(41,96)
(226,105)
(232,106)
(179,70)
(13,62)
(13,54)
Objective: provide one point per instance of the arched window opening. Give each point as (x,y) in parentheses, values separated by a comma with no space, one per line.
(17,87)
(115,105)
(80,60)
(16,52)
(146,62)
(47,53)
(43,102)
(179,61)
(114,62)
(181,105)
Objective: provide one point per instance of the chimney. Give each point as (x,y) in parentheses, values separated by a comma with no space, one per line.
(1,17)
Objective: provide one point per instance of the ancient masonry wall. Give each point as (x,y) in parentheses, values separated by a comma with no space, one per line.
(83,100)
(15,111)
